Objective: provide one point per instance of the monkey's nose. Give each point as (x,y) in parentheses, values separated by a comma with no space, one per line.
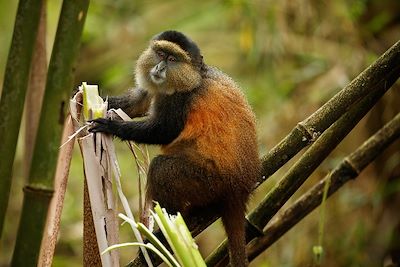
(157,74)
(161,67)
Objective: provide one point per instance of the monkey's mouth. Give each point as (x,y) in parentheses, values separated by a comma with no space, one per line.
(157,78)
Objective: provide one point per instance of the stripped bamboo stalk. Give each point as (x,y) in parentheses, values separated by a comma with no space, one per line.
(56,205)
(100,163)
(97,177)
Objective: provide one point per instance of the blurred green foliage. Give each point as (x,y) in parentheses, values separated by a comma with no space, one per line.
(289,57)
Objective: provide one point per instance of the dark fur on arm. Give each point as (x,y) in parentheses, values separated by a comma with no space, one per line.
(160,128)
(135,103)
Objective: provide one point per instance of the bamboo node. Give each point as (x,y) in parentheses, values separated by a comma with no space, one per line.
(351,168)
(309,135)
(253,230)
(35,190)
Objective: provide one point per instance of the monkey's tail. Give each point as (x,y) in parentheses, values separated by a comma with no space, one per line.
(233,218)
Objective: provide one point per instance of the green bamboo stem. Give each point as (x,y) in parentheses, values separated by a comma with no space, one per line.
(377,77)
(347,170)
(311,159)
(14,90)
(303,168)
(58,89)
(382,73)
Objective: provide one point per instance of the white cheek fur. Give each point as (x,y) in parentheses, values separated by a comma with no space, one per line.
(141,81)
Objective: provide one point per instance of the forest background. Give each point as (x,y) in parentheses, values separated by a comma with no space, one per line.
(289,57)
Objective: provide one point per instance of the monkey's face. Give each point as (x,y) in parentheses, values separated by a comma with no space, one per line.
(165,68)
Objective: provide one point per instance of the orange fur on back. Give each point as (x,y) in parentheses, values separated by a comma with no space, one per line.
(223,126)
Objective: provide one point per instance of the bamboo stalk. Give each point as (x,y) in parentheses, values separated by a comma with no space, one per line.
(381,74)
(60,184)
(95,177)
(14,90)
(36,86)
(100,220)
(91,253)
(98,152)
(347,170)
(302,169)
(39,190)
(311,159)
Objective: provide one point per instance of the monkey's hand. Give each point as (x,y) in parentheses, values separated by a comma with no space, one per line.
(105,126)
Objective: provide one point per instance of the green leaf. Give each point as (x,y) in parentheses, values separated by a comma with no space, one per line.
(179,238)
(137,244)
(187,238)
(157,243)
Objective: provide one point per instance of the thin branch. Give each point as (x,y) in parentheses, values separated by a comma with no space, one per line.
(139,172)
(349,169)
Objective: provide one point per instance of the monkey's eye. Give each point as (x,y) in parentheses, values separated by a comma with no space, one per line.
(171,58)
(161,54)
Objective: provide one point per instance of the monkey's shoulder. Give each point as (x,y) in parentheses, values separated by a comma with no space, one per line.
(218,114)
(221,95)
(215,75)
